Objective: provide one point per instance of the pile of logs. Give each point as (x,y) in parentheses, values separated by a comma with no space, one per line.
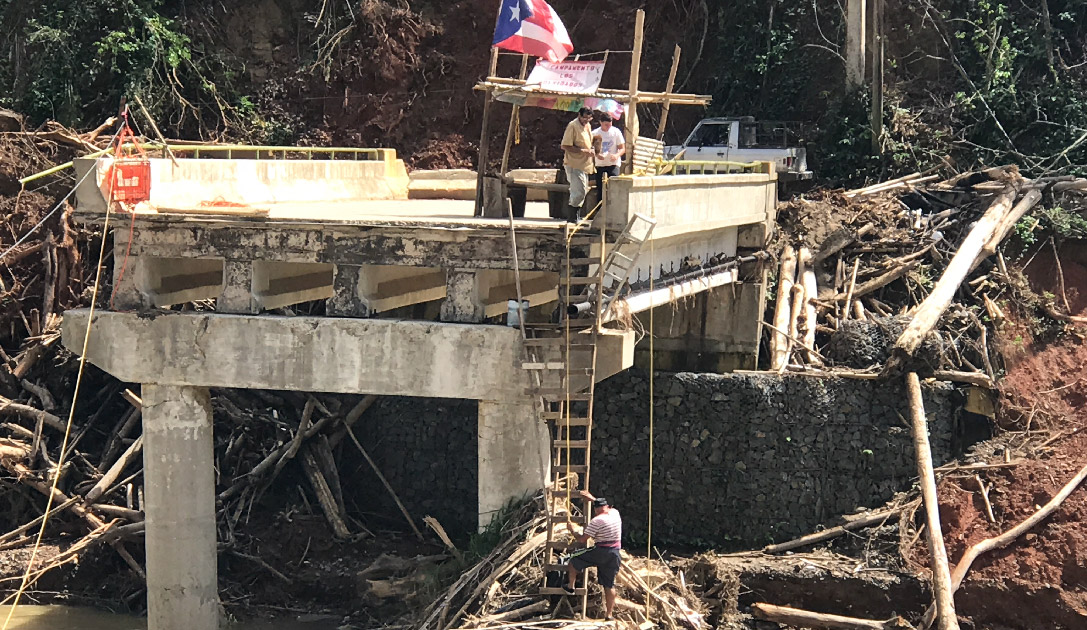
(500,590)
(898,262)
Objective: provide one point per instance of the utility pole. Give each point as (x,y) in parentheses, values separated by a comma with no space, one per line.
(877,75)
(855,42)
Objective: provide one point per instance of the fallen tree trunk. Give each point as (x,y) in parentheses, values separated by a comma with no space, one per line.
(778,342)
(811,291)
(941,574)
(808,619)
(1007,223)
(928,312)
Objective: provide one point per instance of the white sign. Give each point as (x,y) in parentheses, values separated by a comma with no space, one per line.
(572,77)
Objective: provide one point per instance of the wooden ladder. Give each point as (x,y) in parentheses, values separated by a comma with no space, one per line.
(563,357)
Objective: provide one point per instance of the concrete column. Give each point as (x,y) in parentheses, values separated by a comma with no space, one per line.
(346,300)
(514,451)
(237,295)
(855,21)
(464,296)
(179,486)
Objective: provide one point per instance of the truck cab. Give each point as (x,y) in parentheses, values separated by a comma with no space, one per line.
(745,140)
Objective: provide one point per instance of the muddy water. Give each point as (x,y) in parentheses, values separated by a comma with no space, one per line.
(68,618)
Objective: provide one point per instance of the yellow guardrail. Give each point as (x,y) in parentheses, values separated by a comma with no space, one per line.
(246,151)
(711,167)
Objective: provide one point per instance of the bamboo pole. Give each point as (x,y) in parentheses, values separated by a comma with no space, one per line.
(668,90)
(941,574)
(631,131)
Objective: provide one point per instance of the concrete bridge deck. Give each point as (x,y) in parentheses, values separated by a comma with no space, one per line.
(345,233)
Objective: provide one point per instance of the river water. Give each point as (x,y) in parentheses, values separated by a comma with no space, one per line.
(69,618)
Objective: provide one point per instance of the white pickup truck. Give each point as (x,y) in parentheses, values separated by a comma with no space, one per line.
(745,140)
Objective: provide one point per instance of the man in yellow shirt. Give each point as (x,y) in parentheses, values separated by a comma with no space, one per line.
(577,146)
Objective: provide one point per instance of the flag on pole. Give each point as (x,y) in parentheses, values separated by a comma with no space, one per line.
(532,27)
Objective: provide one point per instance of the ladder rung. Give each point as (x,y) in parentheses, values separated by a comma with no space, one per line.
(560,418)
(616,252)
(563,444)
(560,394)
(561,545)
(562,469)
(573,323)
(630,239)
(615,275)
(550,365)
(544,341)
(558,590)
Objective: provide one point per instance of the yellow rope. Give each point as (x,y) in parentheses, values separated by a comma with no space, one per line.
(71,415)
(649,516)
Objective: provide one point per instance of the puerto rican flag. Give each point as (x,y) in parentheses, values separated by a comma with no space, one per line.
(532,27)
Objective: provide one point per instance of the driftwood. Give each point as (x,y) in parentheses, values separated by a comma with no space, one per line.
(973,378)
(325,497)
(941,574)
(808,619)
(875,518)
(26,411)
(115,471)
(1008,537)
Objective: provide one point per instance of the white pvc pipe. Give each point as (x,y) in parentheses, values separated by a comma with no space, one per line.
(665,295)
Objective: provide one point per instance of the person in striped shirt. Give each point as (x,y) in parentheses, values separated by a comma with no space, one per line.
(606,530)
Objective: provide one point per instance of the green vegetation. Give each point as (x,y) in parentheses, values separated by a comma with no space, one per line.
(967,81)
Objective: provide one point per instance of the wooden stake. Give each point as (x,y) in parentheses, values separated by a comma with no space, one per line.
(484,137)
(631,131)
(513,123)
(668,90)
(941,574)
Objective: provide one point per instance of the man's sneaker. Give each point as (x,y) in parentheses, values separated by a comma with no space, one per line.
(569,589)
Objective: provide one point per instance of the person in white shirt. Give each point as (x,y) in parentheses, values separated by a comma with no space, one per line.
(612,149)
(606,530)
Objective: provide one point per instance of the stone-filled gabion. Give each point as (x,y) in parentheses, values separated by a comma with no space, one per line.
(739,460)
(743,460)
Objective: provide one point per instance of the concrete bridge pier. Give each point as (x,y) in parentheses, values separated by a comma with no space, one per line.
(179,491)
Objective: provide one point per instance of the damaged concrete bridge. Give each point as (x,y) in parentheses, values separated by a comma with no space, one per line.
(415,298)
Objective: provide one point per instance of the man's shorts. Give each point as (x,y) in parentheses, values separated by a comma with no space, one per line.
(605,559)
